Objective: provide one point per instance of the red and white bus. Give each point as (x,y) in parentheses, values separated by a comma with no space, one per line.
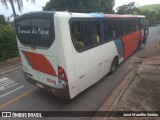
(65,53)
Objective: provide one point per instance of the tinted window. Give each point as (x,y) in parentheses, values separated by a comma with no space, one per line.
(134,21)
(123,27)
(85,33)
(35,32)
(118,28)
(109,30)
(131,25)
(140,23)
(137,24)
(92,32)
(77,34)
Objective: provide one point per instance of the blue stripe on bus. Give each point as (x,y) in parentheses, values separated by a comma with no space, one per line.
(96,15)
(119,46)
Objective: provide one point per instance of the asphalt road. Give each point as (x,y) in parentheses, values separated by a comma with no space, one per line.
(22,96)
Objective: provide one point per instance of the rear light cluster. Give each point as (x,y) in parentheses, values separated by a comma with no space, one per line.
(62,77)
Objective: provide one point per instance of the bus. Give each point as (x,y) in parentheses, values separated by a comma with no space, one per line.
(64,53)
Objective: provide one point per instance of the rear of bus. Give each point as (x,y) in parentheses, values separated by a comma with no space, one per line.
(38,50)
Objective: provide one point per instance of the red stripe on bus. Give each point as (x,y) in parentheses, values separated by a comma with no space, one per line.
(40,63)
(131,42)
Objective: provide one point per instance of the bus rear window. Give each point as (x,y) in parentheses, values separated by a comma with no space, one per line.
(35,32)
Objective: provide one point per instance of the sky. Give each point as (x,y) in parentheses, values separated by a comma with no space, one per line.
(28,6)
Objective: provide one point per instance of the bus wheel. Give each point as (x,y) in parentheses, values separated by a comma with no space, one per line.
(114,65)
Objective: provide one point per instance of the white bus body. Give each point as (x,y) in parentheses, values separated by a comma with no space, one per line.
(53,63)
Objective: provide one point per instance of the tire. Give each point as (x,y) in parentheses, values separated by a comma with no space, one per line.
(114,65)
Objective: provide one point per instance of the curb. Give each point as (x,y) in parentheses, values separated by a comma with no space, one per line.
(9,71)
(10,61)
(116,95)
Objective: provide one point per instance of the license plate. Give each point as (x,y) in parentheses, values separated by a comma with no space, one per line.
(39,85)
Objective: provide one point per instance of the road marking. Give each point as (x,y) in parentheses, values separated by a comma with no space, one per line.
(4,88)
(11,91)
(3,79)
(17,98)
(7,83)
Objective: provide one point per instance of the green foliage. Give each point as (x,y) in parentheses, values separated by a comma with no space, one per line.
(8,44)
(152,12)
(150,15)
(2,19)
(86,6)
(128,9)
(108,5)
(150,7)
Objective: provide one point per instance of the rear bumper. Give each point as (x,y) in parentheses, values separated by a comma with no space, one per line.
(60,92)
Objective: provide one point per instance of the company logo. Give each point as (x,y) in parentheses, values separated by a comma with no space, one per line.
(6,114)
(20,114)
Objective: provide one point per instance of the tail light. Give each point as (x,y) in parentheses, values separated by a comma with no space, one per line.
(62,77)
(62,74)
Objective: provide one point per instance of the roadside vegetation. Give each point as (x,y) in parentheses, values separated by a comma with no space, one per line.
(81,6)
(150,7)
(8,45)
(152,11)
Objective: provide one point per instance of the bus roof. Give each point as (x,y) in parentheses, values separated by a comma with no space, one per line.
(101,15)
(94,15)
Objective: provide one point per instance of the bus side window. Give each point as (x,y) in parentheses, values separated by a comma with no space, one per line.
(140,23)
(134,24)
(109,30)
(130,25)
(76,32)
(117,28)
(92,33)
(137,24)
(123,27)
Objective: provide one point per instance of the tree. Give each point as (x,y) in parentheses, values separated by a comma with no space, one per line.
(105,6)
(158,16)
(19,3)
(150,15)
(128,9)
(2,19)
